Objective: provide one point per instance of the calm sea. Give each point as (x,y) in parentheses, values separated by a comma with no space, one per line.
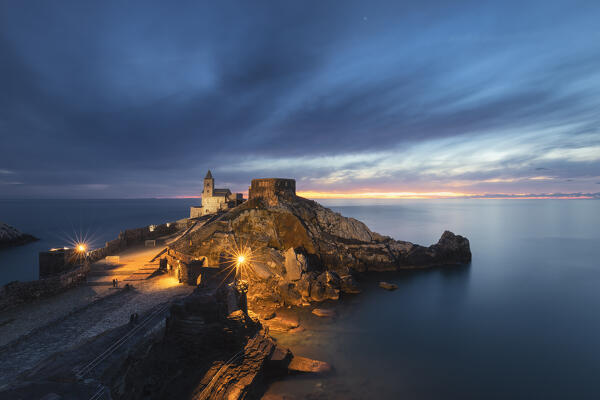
(522,321)
(60,222)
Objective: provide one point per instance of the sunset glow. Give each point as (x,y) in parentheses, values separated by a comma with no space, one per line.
(382,195)
(440,195)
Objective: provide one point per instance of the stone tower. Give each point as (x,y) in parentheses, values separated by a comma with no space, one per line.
(272,189)
(209,185)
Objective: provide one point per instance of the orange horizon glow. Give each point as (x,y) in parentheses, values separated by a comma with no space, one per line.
(382,195)
(421,196)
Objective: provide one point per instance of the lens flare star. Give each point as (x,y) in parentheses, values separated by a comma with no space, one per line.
(239,259)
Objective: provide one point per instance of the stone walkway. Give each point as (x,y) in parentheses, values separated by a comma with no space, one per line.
(80,325)
(24,319)
(32,332)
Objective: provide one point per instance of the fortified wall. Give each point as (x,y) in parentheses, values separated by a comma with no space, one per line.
(271,189)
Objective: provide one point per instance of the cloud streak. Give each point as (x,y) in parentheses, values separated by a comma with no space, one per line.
(105,99)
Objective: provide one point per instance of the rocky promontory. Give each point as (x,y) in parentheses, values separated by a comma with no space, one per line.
(303,252)
(10,236)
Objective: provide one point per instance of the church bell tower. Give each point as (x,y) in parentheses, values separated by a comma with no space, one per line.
(209,185)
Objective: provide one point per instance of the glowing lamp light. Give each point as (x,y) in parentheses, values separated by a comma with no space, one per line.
(81,247)
(241,259)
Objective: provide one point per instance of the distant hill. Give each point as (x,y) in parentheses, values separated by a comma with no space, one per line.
(10,236)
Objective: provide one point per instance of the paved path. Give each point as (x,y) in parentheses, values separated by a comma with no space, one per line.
(26,318)
(107,313)
(32,332)
(134,264)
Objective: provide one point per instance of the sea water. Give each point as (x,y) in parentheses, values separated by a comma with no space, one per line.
(521,321)
(59,223)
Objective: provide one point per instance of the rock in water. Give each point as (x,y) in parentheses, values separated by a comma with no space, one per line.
(282,324)
(388,286)
(10,236)
(303,364)
(349,285)
(323,312)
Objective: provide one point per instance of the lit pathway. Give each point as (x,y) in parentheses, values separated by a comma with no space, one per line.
(31,332)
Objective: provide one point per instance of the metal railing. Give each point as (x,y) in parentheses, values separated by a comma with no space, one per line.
(81,372)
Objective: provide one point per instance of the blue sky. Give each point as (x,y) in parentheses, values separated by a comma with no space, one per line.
(139,99)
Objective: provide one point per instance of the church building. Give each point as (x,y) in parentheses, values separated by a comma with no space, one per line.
(215,200)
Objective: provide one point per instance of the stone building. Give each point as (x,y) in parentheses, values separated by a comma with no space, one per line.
(271,189)
(215,200)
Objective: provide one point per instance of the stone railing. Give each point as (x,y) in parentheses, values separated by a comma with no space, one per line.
(15,293)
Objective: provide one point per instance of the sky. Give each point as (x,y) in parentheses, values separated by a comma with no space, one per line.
(114,99)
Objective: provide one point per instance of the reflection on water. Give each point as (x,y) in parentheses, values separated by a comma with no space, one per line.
(520,322)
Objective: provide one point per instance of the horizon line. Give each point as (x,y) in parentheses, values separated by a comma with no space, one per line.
(367,196)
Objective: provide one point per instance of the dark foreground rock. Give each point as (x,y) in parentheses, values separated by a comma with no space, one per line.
(211,347)
(10,236)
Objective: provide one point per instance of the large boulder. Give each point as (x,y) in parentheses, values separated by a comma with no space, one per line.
(295,264)
(261,270)
(325,287)
(450,249)
(349,285)
(289,293)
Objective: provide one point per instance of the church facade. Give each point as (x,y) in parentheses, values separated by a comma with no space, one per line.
(215,200)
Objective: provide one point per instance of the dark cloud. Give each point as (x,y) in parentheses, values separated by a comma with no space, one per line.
(139,98)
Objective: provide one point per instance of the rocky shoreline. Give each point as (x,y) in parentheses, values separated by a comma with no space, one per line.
(10,237)
(303,253)
(215,343)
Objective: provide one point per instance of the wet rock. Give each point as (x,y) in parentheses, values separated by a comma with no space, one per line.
(325,287)
(323,312)
(282,323)
(280,358)
(303,364)
(290,294)
(298,329)
(303,285)
(349,285)
(279,396)
(388,286)
(241,378)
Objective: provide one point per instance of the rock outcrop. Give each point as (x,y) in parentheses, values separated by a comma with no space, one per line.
(388,286)
(302,251)
(10,236)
